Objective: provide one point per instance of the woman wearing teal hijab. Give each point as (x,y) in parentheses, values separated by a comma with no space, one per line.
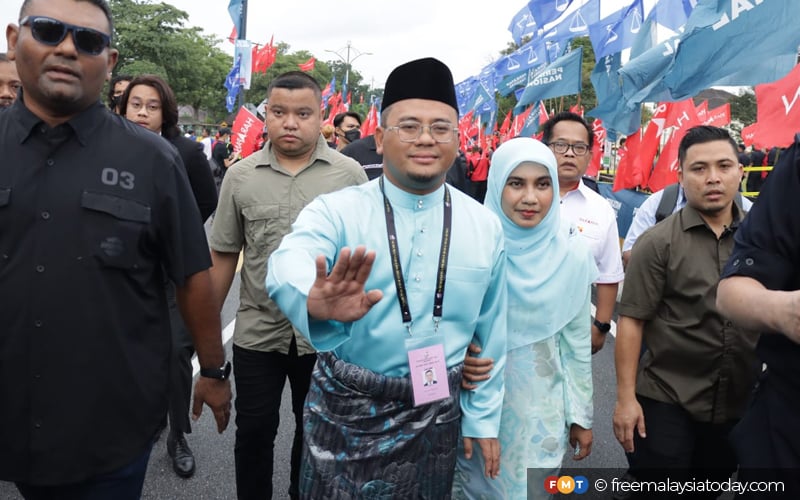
(548,396)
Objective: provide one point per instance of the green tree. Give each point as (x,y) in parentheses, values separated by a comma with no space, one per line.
(154,38)
(743,108)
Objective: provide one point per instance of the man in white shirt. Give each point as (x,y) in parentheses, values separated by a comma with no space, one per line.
(206,141)
(571,139)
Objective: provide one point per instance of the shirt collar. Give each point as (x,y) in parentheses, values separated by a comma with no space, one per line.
(400,198)
(322,152)
(83,124)
(691,218)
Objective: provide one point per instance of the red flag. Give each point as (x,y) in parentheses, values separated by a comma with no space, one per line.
(702,111)
(648,145)
(519,122)
(505,126)
(778,109)
(370,122)
(629,168)
(308,65)
(720,116)
(578,110)
(682,116)
(597,151)
(543,116)
(245,132)
(232,36)
(749,134)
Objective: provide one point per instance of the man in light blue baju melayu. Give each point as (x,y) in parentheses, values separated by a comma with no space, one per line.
(408,272)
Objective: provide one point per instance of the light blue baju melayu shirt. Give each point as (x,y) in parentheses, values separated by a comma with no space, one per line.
(475,287)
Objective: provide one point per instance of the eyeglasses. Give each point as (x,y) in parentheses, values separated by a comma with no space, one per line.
(52,32)
(578,148)
(151,107)
(411,131)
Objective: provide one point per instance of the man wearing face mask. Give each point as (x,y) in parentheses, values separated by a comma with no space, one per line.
(116,88)
(347,127)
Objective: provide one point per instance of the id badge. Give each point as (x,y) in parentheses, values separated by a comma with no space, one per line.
(427,368)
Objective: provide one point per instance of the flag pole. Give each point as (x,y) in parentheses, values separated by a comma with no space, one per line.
(242,35)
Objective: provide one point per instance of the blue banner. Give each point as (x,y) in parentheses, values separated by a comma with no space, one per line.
(465,94)
(625,202)
(722,37)
(561,77)
(531,125)
(233,84)
(617,31)
(235,11)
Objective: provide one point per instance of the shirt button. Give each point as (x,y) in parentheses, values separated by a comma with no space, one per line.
(45,215)
(38,323)
(40,268)
(419,253)
(50,162)
(417,278)
(422,230)
(38,424)
(419,204)
(728,324)
(748,261)
(37,376)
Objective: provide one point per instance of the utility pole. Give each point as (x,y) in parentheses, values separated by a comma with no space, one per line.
(346,59)
(242,35)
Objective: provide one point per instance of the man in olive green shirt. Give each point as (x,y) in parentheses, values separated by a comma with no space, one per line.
(259,200)
(676,406)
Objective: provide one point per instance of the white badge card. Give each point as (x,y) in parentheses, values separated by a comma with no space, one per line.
(428,371)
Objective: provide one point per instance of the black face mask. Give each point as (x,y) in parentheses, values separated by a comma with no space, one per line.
(115,101)
(352,135)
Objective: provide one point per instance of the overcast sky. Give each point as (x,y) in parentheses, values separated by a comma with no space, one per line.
(465,35)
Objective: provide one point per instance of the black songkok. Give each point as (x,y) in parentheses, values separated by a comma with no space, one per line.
(426,78)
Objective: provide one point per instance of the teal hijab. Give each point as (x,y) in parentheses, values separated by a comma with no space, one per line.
(549,269)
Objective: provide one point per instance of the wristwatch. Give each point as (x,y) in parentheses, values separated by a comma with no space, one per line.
(221,373)
(603,327)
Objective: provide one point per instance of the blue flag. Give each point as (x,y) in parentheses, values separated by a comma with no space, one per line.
(233,84)
(235,10)
(606,82)
(723,36)
(671,14)
(522,25)
(531,125)
(465,94)
(617,31)
(574,24)
(561,77)
(528,56)
(547,11)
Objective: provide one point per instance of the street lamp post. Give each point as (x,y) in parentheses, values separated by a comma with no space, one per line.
(346,60)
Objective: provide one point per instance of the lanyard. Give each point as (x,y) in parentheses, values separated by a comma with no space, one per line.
(444,250)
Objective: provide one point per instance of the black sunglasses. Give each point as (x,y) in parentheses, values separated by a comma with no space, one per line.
(52,32)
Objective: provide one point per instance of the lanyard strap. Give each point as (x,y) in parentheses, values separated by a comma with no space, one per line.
(397,270)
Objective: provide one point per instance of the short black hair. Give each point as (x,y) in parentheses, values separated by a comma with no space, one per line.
(547,128)
(114,81)
(338,119)
(702,134)
(101,4)
(294,80)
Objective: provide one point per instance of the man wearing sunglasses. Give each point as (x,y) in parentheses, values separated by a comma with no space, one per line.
(96,213)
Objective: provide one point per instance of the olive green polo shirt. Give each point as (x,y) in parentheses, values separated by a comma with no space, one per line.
(695,358)
(258,202)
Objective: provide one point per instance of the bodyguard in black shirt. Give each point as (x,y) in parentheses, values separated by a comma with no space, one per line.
(94,210)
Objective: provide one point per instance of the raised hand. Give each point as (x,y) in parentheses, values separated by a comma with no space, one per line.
(340,295)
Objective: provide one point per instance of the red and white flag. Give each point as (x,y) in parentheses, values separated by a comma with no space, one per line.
(246,132)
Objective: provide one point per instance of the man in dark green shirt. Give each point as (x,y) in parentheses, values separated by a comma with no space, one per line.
(677,404)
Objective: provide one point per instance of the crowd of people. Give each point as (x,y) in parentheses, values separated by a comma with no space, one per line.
(430,309)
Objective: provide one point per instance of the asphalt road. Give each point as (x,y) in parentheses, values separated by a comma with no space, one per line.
(215,475)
